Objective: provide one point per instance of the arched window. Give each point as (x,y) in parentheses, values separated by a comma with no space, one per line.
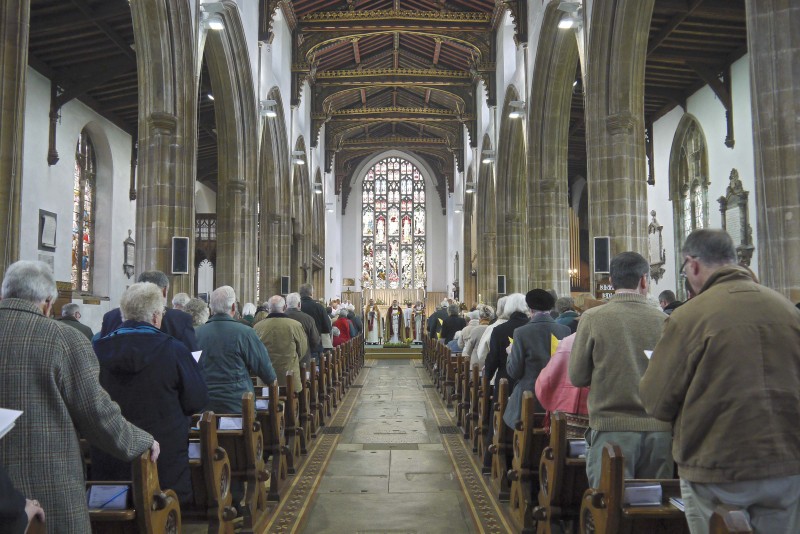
(393,226)
(83,215)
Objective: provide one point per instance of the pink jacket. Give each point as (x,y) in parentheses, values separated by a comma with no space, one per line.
(553,388)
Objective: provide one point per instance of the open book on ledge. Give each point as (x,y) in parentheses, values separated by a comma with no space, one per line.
(642,494)
(7,420)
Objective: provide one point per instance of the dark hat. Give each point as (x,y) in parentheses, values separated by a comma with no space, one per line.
(539,300)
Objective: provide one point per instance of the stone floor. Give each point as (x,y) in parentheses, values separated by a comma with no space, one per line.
(389,472)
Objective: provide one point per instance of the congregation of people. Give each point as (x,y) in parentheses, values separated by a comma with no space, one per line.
(131,387)
(706,390)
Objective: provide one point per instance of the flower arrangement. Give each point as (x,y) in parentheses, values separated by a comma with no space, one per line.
(396,346)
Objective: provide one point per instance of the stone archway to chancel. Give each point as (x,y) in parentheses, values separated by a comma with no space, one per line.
(275,224)
(511,190)
(225,53)
(301,219)
(616,53)
(165,57)
(549,132)
(486,221)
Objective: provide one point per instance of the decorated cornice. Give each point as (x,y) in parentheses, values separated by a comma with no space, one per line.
(372,73)
(396,140)
(332,16)
(394,109)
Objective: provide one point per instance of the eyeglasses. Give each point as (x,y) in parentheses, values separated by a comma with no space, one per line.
(682,273)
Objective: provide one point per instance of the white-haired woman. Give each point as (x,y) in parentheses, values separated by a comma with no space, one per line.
(157,384)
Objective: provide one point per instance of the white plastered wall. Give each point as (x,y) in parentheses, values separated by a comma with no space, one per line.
(710,113)
(51,189)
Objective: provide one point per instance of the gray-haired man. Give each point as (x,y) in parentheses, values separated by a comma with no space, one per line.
(70,315)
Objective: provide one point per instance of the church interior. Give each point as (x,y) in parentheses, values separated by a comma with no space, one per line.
(395,150)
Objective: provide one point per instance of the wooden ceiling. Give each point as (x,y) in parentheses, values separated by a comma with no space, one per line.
(383,73)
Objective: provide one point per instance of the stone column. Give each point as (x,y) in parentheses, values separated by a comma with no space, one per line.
(516,259)
(270,253)
(774,46)
(487,268)
(235,264)
(14,29)
(549,239)
(614,85)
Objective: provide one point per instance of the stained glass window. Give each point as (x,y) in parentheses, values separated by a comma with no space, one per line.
(83,215)
(393,226)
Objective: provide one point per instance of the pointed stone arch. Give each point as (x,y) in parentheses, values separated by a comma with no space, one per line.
(470,286)
(487,221)
(237,148)
(511,190)
(548,133)
(615,141)
(165,58)
(318,234)
(301,220)
(274,195)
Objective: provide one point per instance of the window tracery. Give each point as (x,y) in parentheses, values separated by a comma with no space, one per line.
(84,188)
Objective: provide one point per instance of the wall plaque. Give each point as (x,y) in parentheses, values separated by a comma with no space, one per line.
(735,218)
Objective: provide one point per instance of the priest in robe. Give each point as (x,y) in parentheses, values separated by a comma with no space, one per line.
(417,321)
(394,323)
(372,322)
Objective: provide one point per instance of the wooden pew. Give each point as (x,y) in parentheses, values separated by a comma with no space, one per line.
(245,450)
(604,512)
(273,425)
(154,511)
(528,442)
(729,520)
(292,430)
(562,481)
(501,443)
(463,394)
(480,438)
(304,412)
(471,406)
(312,384)
(211,480)
(325,396)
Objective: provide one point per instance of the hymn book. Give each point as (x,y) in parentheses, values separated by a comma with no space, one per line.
(642,494)
(230,423)
(107,497)
(7,420)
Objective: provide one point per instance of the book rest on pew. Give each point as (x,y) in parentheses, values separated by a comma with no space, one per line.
(273,424)
(501,444)
(153,511)
(603,510)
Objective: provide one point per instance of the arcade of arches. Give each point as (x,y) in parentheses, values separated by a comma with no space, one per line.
(409,149)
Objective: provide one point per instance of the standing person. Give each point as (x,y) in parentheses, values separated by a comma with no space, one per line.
(417,319)
(407,313)
(609,355)
(50,373)
(565,306)
(306,321)
(394,323)
(530,351)
(343,324)
(231,352)
(285,341)
(668,302)
(517,310)
(452,323)
(434,325)
(481,350)
(726,376)
(176,323)
(70,315)
(317,312)
(157,384)
(373,323)
(180,300)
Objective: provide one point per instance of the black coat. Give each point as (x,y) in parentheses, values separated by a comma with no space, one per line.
(433,321)
(176,323)
(498,343)
(13,519)
(320,316)
(157,384)
(451,325)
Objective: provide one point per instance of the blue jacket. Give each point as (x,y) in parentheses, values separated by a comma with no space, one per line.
(157,384)
(231,353)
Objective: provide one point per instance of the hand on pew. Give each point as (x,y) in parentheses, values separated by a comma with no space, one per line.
(34,511)
(155,450)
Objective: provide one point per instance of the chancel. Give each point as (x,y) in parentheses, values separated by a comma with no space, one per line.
(395,176)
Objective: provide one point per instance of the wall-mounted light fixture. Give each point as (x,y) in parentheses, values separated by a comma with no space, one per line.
(488,156)
(330,275)
(469,188)
(573,17)
(267,108)
(517,109)
(211,16)
(298,157)
(318,188)
(210,96)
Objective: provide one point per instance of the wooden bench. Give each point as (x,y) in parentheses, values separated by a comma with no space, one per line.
(304,412)
(312,385)
(480,437)
(273,425)
(501,443)
(604,512)
(292,429)
(211,479)
(562,482)
(729,520)
(528,443)
(325,397)
(245,448)
(153,512)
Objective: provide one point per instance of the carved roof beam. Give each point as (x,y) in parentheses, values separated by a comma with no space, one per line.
(395,19)
(437,50)
(396,50)
(392,77)
(672,25)
(356,53)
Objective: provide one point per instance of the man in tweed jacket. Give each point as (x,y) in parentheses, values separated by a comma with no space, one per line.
(50,372)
